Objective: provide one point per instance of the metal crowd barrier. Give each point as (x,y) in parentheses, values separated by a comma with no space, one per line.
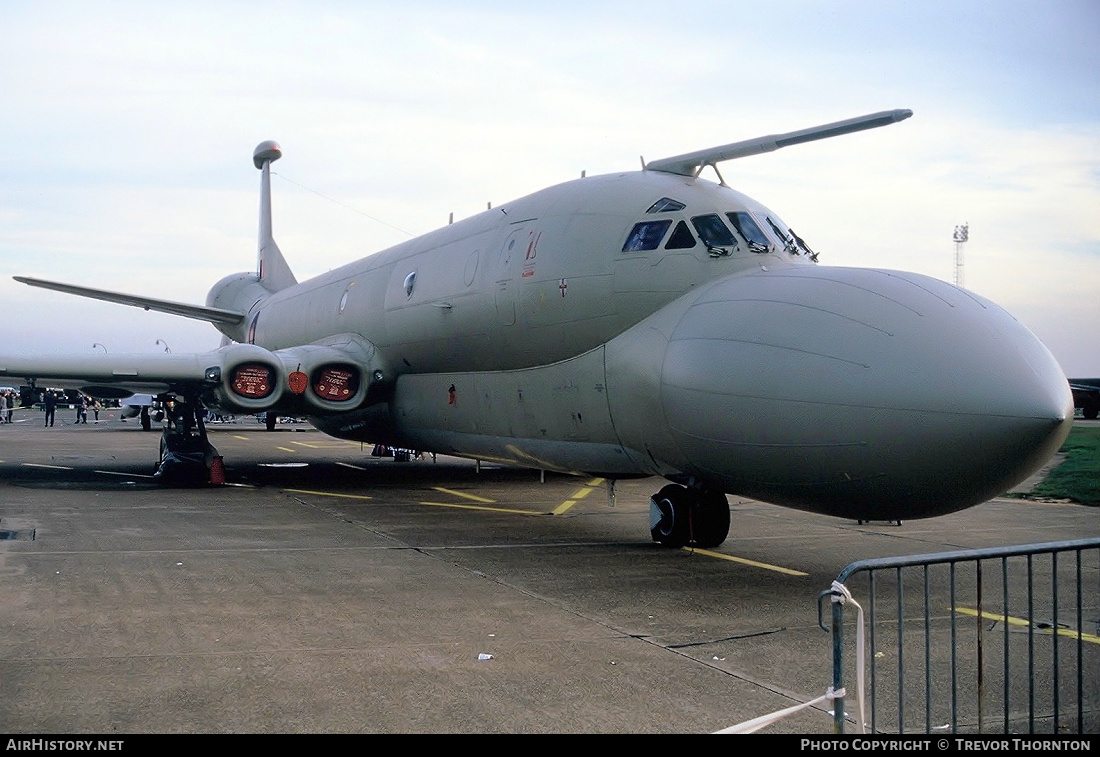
(1003,640)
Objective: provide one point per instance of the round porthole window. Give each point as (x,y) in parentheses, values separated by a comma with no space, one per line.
(410,281)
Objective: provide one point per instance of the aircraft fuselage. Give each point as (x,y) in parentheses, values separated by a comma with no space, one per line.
(532,333)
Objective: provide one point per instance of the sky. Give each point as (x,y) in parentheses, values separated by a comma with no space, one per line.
(127,133)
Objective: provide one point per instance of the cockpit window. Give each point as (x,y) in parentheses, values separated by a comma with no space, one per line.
(681,239)
(646,235)
(784,235)
(666,205)
(792,243)
(713,232)
(801,243)
(748,228)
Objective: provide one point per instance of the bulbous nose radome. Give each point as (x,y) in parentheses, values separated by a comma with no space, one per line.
(857,392)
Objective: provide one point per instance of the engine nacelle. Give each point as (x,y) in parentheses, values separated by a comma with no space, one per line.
(314,379)
(249,379)
(325,378)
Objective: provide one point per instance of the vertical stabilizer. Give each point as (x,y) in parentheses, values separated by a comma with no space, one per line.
(275,274)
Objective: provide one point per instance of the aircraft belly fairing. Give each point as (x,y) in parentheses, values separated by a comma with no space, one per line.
(516,415)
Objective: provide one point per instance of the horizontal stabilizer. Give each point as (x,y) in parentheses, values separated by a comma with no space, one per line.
(213,315)
(690,163)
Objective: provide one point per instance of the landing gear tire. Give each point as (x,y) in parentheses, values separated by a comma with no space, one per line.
(679,516)
(270,420)
(711,524)
(669,511)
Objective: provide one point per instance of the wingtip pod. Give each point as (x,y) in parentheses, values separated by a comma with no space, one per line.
(689,164)
(265,152)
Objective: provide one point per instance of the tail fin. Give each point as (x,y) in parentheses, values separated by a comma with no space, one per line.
(275,274)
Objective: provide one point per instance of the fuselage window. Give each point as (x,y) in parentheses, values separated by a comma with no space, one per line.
(666,205)
(748,228)
(713,232)
(681,239)
(646,236)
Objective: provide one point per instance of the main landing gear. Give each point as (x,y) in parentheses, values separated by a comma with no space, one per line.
(680,516)
(185,453)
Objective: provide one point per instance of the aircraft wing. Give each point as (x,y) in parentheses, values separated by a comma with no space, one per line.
(690,163)
(313,379)
(112,376)
(213,315)
(1085,385)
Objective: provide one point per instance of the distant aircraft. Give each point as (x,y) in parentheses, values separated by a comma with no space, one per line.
(648,323)
(138,405)
(1086,395)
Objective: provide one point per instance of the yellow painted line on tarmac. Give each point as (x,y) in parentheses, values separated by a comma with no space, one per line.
(238,436)
(464,495)
(563,507)
(578,495)
(744,561)
(286,449)
(328,494)
(1012,621)
(43,465)
(349,465)
(334,445)
(479,507)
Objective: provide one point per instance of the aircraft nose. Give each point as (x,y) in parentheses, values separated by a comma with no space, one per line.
(860,392)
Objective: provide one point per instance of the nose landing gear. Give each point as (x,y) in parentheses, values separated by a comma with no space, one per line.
(679,516)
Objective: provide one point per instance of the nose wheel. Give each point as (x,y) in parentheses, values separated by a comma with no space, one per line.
(679,516)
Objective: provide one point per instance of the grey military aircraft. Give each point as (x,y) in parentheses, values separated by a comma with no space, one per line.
(647,323)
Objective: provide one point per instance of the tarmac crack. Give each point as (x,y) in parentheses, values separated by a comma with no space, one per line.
(736,637)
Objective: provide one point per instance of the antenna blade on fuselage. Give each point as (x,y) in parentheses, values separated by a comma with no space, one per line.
(689,164)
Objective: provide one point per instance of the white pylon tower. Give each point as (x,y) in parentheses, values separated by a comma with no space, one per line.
(961,235)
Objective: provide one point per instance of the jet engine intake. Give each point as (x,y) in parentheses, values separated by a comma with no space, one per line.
(336,383)
(253,381)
